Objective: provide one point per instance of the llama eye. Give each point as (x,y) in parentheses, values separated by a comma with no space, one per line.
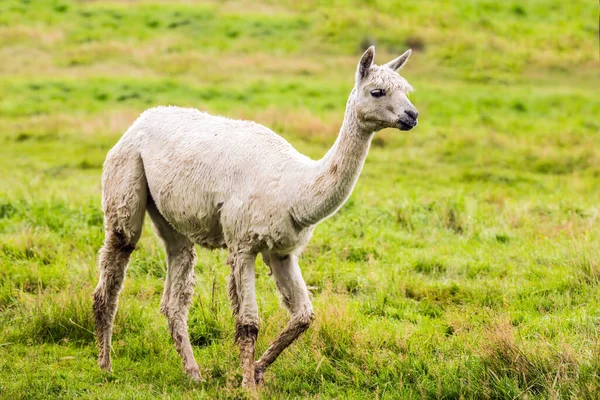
(378,93)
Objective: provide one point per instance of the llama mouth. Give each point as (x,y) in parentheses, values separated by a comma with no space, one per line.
(406,126)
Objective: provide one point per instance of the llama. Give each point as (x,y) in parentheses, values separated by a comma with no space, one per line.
(224,183)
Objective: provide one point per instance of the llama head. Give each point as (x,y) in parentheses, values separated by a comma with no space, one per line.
(381,94)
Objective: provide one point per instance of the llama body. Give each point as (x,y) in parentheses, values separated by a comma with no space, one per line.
(217,180)
(232,184)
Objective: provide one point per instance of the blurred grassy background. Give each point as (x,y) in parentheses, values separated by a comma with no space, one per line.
(465,265)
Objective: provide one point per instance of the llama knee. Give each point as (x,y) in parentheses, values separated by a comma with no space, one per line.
(302,321)
(112,261)
(178,298)
(246,332)
(116,251)
(179,287)
(177,302)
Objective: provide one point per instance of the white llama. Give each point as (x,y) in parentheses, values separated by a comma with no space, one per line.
(231,184)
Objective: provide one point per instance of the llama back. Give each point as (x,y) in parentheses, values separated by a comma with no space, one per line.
(187,139)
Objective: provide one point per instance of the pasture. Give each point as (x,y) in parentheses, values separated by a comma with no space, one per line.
(466,264)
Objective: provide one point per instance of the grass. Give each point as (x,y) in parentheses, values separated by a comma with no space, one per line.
(465,265)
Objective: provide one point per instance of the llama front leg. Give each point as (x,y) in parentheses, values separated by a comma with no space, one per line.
(179,287)
(243,299)
(294,296)
(177,297)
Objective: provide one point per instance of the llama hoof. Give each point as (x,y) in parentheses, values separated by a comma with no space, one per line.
(194,375)
(105,365)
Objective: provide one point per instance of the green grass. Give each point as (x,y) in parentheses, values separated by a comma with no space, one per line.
(465,265)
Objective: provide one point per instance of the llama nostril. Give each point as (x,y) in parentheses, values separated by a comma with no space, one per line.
(413,114)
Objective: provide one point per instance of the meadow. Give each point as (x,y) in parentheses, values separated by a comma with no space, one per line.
(465,265)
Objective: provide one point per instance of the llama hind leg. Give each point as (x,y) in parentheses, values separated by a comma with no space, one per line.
(179,288)
(113,260)
(242,294)
(294,296)
(124,204)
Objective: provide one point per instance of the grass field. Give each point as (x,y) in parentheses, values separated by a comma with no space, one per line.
(465,265)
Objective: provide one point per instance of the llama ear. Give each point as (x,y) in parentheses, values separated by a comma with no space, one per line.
(397,63)
(365,63)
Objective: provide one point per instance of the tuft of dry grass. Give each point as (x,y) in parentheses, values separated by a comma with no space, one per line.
(10,35)
(540,369)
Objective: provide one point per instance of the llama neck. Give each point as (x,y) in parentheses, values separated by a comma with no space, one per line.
(327,186)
